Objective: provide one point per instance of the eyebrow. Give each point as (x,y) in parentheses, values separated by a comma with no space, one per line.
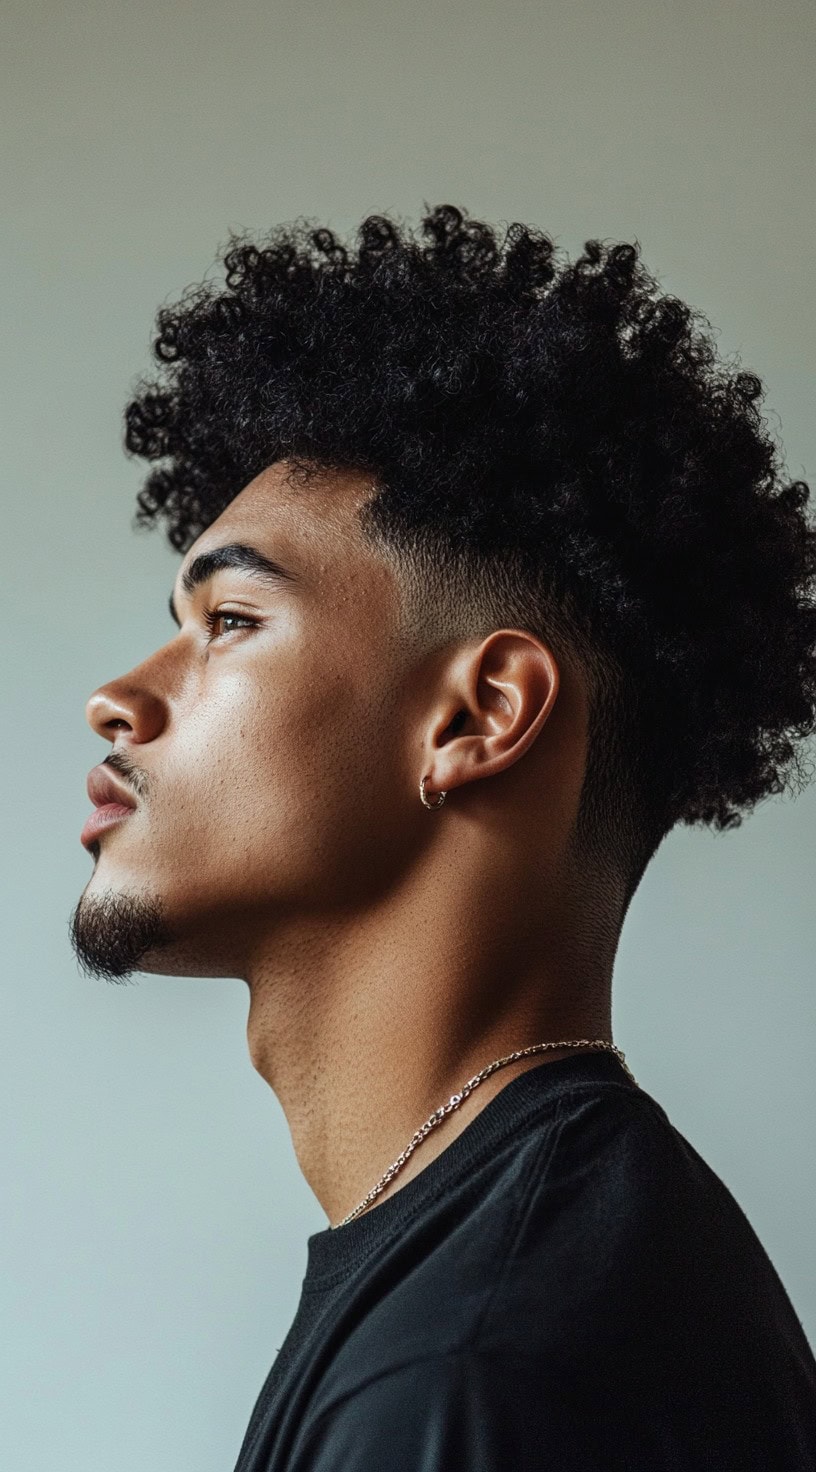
(236,555)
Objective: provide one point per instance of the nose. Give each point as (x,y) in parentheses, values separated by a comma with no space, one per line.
(126,705)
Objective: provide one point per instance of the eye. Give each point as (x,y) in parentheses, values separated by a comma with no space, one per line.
(232,622)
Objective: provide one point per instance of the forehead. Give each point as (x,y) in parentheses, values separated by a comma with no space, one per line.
(311,528)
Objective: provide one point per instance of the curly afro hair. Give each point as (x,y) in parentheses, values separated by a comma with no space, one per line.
(553,446)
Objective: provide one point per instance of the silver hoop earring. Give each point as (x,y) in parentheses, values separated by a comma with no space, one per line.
(442,796)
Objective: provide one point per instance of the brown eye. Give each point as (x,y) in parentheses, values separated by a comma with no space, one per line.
(220,623)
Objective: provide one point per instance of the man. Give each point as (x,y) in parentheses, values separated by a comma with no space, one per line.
(490,577)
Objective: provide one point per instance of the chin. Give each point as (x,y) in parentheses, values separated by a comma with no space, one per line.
(187,958)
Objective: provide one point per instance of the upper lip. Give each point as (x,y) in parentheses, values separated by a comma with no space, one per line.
(103,788)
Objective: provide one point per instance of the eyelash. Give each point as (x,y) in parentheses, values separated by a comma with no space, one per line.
(213,617)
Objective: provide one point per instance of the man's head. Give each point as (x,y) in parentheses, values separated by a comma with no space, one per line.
(432,495)
(273,747)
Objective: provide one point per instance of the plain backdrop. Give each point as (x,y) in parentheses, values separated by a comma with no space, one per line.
(155,1220)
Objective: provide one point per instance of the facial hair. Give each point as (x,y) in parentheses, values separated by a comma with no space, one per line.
(111,933)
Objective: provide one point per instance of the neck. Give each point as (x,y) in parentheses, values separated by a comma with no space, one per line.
(364,1024)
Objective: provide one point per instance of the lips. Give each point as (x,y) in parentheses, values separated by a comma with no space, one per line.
(104,788)
(112,801)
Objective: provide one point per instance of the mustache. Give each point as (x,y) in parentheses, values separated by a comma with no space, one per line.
(133,775)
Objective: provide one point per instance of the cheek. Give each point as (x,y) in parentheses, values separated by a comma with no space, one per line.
(287,781)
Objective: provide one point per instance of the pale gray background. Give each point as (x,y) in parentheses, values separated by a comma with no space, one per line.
(155,1241)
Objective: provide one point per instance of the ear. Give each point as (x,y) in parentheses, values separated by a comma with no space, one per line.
(493,703)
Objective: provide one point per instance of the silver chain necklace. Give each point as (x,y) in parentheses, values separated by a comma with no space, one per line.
(456,1099)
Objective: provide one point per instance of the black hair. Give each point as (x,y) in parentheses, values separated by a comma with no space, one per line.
(554,446)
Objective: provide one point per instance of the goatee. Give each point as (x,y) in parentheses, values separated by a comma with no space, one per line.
(112,933)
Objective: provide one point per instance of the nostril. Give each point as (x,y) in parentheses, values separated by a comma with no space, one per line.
(125,705)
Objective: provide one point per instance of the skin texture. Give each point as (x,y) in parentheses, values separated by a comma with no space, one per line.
(390,952)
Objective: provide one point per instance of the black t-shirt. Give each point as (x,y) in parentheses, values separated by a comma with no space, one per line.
(567,1286)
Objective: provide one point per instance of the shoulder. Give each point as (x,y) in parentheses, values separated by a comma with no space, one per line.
(609,1289)
(630,1256)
